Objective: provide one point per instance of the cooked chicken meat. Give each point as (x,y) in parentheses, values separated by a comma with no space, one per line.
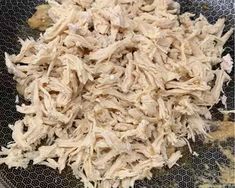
(112,85)
(40,20)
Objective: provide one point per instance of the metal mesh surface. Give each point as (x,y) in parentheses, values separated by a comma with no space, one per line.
(13,16)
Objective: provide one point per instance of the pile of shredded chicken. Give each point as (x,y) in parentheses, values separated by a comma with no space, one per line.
(112,85)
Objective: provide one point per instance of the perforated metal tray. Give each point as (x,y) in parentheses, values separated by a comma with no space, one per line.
(13,16)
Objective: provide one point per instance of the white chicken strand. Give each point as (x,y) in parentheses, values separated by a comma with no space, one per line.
(112,86)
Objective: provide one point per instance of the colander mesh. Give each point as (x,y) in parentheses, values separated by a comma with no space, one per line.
(192,171)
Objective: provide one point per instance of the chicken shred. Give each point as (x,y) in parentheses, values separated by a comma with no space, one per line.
(111,85)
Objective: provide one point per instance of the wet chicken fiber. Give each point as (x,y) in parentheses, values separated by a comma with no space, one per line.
(8,93)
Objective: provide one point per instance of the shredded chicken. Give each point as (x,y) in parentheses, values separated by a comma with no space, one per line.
(112,85)
(40,20)
(227,63)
